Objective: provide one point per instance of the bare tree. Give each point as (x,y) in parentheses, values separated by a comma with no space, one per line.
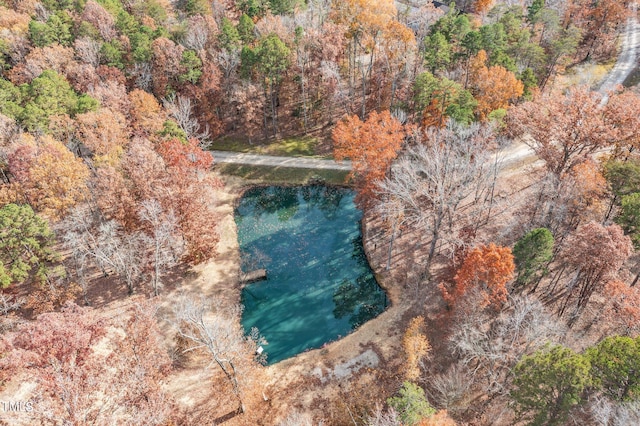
(105,244)
(494,347)
(228,61)
(9,130)
(88,50)
(166,245)
(338,88)
(218,10)
(41,13)
(451,389)
(220,335)
(379,417)
(144,78)
(303,61)
(605,412)
(445,178)
(179,107)
(9,303)
(197,34)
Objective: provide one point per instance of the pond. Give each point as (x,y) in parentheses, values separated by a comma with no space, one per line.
(319,285)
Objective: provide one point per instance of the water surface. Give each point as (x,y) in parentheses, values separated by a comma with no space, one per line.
(319,286)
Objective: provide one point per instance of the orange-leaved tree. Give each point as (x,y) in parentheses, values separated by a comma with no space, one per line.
(46,175)
(481,6)
(371,146)
(416,347)
(623,309)
(621,114)
(190,198)
(493,87)
(563,129)
(584,189)
(366,22)
(147,115)
(594,254)
(104,132)
(486,269)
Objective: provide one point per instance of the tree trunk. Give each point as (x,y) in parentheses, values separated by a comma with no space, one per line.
(549,73)
(231,376)
(393,236)
(156,267)
(635,280)
(610,209)
(274,116)
(569,290)
(305,118)
(435,234)
(264,115)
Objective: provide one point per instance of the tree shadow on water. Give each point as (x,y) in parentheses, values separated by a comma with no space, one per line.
(361,300)
(325,198)
(282,201)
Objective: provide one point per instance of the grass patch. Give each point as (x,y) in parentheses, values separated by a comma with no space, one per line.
(304,146)
(270,174)
(588,73)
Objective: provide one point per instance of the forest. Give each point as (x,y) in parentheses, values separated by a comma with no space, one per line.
(499,185)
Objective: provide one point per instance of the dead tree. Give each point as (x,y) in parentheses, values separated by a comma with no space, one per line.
(220,335)
(445,179)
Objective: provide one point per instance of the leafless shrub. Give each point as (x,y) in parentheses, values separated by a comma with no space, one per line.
(605,412)
(450,390)
(379,417)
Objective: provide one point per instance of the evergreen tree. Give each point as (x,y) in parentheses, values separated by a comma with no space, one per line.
(411,404)
(548,383)
(532,252)
(615,367)
(25,242)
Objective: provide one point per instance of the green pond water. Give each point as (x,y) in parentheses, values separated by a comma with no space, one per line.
(319,284)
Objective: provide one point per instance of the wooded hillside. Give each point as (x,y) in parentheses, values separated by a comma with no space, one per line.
(512,279)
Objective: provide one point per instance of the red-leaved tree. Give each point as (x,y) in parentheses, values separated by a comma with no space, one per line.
(88,374)
(371,146)
(593,253)
(486,270)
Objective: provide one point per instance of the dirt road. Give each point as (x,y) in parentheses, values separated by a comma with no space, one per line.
(270,160)
(628,58)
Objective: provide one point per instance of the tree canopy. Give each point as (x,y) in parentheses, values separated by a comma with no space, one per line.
(27,245)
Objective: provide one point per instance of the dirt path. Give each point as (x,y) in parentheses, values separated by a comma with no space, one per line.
(628,58)
(270,160)
(518,153)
